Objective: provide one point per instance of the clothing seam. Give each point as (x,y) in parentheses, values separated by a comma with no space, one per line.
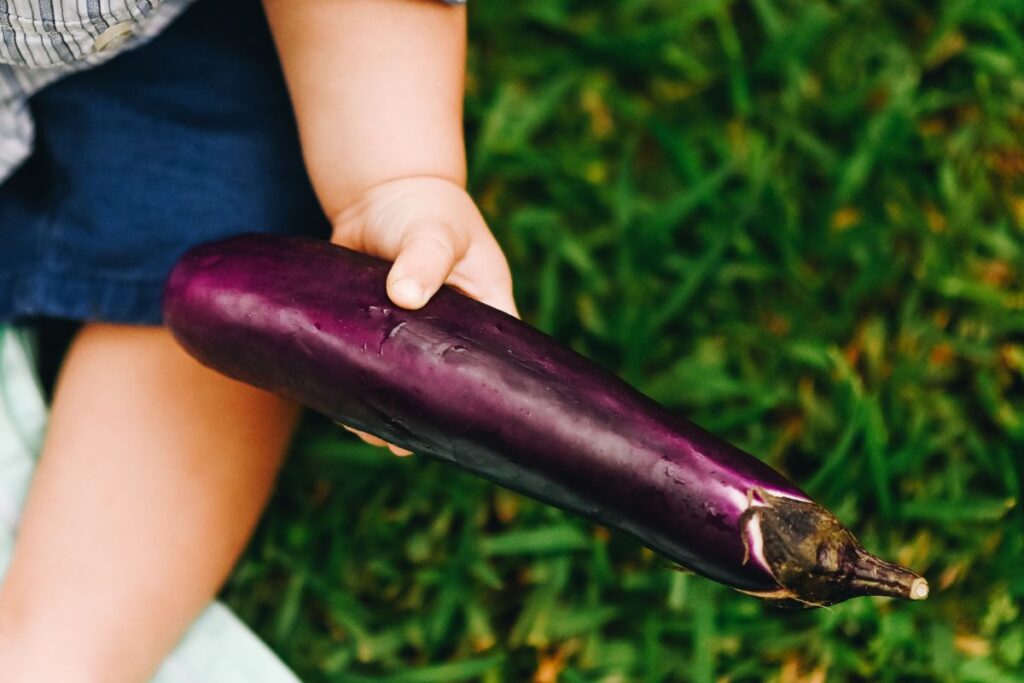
(71,275)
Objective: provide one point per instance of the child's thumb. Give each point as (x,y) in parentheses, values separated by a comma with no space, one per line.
(423,264)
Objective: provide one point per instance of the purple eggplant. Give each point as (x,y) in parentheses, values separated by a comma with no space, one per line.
(470,385)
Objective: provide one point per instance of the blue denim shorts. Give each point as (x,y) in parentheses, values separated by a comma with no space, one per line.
(186,139)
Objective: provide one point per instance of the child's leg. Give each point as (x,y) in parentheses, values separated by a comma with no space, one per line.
(152,477)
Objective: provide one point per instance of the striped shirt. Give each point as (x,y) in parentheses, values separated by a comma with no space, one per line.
(43,40)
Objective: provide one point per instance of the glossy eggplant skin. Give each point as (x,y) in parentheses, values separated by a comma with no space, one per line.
(470,385)
(473,386)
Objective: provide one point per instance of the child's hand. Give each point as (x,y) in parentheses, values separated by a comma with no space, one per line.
(434,233)
(385,101)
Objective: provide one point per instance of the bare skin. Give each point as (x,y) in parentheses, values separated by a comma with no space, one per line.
(153,474)
(391,172)
(155,469)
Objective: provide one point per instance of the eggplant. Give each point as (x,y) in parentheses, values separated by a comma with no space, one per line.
(472,386)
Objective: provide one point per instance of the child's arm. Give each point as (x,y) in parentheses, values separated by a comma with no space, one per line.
(377,87)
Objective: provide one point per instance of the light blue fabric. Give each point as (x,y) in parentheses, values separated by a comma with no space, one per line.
(218,648)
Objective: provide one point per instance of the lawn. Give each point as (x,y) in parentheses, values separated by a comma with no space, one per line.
(799,223)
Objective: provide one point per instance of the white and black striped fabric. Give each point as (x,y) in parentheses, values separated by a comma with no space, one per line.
(43,40)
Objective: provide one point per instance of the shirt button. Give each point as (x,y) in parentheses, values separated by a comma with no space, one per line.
(113,36)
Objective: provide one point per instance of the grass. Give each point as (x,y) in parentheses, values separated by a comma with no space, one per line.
(801,224)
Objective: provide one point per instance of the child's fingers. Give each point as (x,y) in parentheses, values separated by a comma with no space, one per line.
(397,450)
(368,438)
(492,294)
(484,275)
(427,256)
(375,441)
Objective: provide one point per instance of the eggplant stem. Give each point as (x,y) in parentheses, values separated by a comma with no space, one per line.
(818,562)
(873,576)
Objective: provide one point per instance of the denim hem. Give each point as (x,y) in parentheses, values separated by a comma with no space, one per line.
(83,298)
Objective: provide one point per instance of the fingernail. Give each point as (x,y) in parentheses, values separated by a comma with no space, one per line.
(408,292)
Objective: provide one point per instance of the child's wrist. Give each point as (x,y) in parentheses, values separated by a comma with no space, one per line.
(358,201)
